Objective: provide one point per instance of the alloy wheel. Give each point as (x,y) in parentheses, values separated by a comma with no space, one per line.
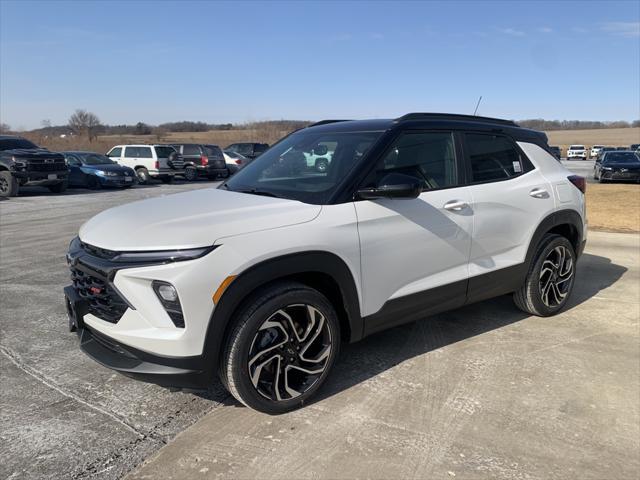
(289,352)
(555,276)
(4,186)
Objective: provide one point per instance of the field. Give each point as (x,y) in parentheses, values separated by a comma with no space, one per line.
(607,136)
(613,207)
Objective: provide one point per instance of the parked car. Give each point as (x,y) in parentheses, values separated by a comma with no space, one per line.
(261,279)
(603,150)
(634,146)
(622,149)
(617,166)
(577,151)
(249,150)
(556,152)
(202,161)
(595,150)
(23,163)
(320,157)
(235,161)
(94,170)
(149,161)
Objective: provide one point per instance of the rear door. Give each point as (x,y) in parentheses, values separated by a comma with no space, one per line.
(131,159)
(510,198)
(415,252)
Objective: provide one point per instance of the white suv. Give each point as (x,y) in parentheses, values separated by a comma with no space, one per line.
(269,273)
(577,151)
(595,151)
(149,161)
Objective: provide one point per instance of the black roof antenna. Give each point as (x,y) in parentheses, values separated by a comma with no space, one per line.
(477,105)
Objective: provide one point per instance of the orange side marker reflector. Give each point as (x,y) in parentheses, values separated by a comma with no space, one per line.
(223,286)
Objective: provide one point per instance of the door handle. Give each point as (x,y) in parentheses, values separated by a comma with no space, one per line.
(539,193)
(455,205)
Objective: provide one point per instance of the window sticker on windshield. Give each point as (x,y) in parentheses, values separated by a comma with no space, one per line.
(516,167)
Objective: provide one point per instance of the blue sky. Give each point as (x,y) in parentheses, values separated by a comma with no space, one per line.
(234,62)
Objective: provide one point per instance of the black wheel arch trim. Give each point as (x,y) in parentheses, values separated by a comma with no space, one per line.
(559,217)
(286,266)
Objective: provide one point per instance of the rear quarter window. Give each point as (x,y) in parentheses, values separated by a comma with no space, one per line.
(494,158)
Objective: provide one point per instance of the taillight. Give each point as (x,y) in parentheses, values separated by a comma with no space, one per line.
(157,165)
(579,182)
(238,162)
(203,160)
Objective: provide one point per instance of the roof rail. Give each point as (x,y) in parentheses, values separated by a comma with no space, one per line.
(455,117)
(324,122)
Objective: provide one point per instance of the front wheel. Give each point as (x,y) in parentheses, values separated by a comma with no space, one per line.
(550,279)
(285,341)
(143,175)
(8,184)
(58,187)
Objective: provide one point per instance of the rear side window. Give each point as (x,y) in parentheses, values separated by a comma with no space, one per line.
(213,151)
(163,152)
(260,148)
(144,152)
(190,150)
(428,156)
(115,152)
(131,152)
(492,157)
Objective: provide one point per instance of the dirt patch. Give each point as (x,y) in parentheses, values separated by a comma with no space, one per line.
(613,207)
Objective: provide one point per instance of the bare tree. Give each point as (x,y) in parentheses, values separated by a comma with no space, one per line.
(83,122)
(46,123)
(4,128)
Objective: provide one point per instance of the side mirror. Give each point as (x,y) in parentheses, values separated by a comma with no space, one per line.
(393,185)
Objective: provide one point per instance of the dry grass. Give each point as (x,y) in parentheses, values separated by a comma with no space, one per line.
(614,207)
(614,137)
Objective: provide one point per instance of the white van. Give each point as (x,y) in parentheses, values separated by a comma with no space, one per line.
(149,161)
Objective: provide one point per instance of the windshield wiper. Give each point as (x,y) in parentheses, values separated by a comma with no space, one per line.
(255,191)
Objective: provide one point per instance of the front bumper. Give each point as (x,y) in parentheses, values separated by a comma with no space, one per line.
(30,178)
(210,170)
(187,372)
(619,176)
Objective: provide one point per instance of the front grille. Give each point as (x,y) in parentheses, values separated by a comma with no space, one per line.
(102,299)
(41,166)
(98,252)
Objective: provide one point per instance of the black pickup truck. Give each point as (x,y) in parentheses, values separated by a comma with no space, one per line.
(23,163)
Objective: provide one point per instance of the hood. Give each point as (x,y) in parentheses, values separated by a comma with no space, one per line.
(108,167)
(33,153)
(191,220)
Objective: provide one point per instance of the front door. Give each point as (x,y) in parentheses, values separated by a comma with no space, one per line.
(415,252)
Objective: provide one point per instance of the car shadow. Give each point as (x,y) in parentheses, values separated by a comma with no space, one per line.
(363,360)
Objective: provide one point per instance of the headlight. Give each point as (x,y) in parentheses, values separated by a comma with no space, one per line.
(162,256)
(607,168)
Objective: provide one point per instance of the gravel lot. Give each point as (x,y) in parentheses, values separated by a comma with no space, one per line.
(484,391)
(62,414)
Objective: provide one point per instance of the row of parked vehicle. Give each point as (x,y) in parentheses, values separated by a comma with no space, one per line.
(22,163)
(580,152)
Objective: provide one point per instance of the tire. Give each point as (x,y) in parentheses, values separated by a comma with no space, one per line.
(143,175)
(543,271)
(167,180)
(261,325)
(8,184)
(321,165)
(58,187)
(190,174)
(93,183)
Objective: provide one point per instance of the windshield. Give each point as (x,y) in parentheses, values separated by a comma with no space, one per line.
(621,157)
(15,143)
(302,167)
(95,159)
(576,147)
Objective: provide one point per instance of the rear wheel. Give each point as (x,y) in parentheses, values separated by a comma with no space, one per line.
(285,341)
(8,184)
(550,278)
(93,183)
(143,175)
(190,174)
(58,187)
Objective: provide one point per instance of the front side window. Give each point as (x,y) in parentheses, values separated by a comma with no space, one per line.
(493,157)
(428,156)
(115,152)
(284,169)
